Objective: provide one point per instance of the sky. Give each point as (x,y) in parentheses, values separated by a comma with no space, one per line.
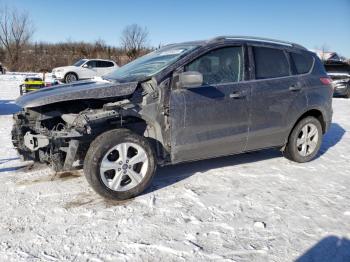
(312,23)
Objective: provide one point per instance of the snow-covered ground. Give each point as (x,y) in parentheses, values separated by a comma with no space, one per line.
(251,207)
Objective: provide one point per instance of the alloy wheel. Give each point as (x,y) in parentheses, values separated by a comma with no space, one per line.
(71,78)
(124,166)
(307,139)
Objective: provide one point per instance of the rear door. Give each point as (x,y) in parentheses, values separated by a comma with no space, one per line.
(277,94)
(109,66)
(211,120)
(103,67)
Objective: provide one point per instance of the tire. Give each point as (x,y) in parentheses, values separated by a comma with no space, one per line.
(105,160)
(70,77)
(302,149)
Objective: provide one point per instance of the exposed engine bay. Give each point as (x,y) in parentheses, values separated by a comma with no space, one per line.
(60,133)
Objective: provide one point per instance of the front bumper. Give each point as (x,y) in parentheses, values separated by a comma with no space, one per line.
(58,75)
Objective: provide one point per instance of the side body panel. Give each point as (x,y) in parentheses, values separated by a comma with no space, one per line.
(273,106)
(319,95)
(206,122)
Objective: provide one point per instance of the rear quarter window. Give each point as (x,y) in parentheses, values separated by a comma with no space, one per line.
(270,63)
(302,62)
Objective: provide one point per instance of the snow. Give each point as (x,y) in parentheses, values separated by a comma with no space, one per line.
(251,207)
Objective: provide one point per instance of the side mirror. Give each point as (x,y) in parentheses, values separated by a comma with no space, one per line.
(190,79)
(85,66)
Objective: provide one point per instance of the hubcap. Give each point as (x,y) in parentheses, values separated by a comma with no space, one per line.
(124,166)
(307,140)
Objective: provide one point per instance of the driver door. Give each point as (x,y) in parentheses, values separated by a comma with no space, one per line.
(89,70)
(211,120)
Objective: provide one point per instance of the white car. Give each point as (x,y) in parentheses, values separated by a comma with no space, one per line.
(83,69)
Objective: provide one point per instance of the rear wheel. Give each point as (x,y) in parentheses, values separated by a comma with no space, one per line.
(70,77)
(119,164)
(305,140)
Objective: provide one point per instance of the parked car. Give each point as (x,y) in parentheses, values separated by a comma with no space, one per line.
(34,83)
(84,69)
(339,71)
(31,84)
(182,102)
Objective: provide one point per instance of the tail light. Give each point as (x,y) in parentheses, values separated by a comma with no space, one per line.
(326,80)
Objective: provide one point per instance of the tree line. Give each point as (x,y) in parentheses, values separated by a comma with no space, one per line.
(19,53)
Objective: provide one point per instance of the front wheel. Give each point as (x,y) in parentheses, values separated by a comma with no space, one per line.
(119,164)
(305,140)
(70,77)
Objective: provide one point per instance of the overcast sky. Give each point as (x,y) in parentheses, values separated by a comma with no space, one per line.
(312,23)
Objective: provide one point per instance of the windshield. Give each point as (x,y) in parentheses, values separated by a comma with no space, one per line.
(150,64)
(79,62)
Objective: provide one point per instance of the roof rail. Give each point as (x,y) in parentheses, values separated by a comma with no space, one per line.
(261,39)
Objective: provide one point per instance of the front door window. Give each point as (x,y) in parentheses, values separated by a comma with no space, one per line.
(220,66)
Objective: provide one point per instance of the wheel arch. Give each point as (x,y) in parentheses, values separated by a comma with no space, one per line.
(314,112)
(317,113)
(149,128)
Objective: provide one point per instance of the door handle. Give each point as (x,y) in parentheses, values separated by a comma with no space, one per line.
(295,88)
(237,95)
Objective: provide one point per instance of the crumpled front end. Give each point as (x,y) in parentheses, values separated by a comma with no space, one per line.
(42,137)
(56,125)
(60,138)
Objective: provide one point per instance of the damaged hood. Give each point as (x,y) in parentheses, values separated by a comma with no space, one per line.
(79,90)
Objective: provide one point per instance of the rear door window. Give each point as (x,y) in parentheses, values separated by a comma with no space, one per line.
(100,63)
(108,64)
(302,62)
(104,64)
(270,63)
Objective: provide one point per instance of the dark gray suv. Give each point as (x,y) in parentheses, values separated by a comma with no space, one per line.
(182,102)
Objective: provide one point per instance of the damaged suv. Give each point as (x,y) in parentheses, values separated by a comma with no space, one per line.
(182,102)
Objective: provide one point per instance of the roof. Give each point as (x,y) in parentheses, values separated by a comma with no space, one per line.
(258,39)
(245,39)
(98,59)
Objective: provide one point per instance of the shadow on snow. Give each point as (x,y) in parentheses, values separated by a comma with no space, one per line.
(329,249)
(169,175)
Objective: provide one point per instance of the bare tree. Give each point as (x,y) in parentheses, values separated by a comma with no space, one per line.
(134,39)
(16,29)
(324,49)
